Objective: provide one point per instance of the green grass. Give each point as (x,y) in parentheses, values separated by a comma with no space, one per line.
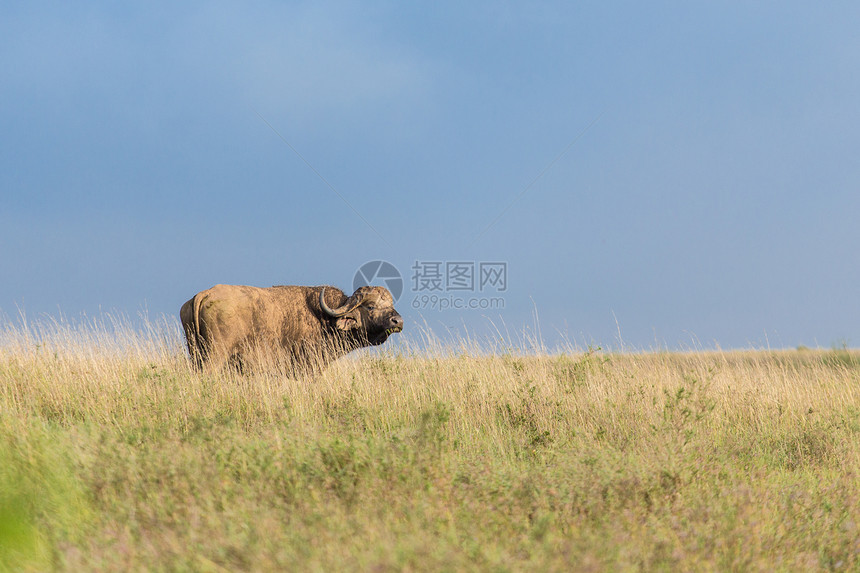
(115,455)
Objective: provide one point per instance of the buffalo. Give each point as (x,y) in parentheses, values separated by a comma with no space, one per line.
(303,327)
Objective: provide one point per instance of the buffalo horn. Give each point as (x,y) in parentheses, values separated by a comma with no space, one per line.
(351,303)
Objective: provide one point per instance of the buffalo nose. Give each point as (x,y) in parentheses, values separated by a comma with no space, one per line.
(396,321)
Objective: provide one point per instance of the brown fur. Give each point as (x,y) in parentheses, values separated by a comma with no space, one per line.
(244,324)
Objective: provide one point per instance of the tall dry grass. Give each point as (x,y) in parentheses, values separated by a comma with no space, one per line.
(425,456)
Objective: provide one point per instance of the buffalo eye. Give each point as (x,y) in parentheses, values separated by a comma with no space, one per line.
(370,307)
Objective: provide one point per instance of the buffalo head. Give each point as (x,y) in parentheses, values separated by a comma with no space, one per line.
(369,313)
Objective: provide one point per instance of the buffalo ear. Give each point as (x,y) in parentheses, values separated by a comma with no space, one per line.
(347,322)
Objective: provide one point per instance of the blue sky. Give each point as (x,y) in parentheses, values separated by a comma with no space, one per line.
(708,196)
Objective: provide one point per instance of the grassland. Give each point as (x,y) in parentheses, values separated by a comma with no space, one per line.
(115,455)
